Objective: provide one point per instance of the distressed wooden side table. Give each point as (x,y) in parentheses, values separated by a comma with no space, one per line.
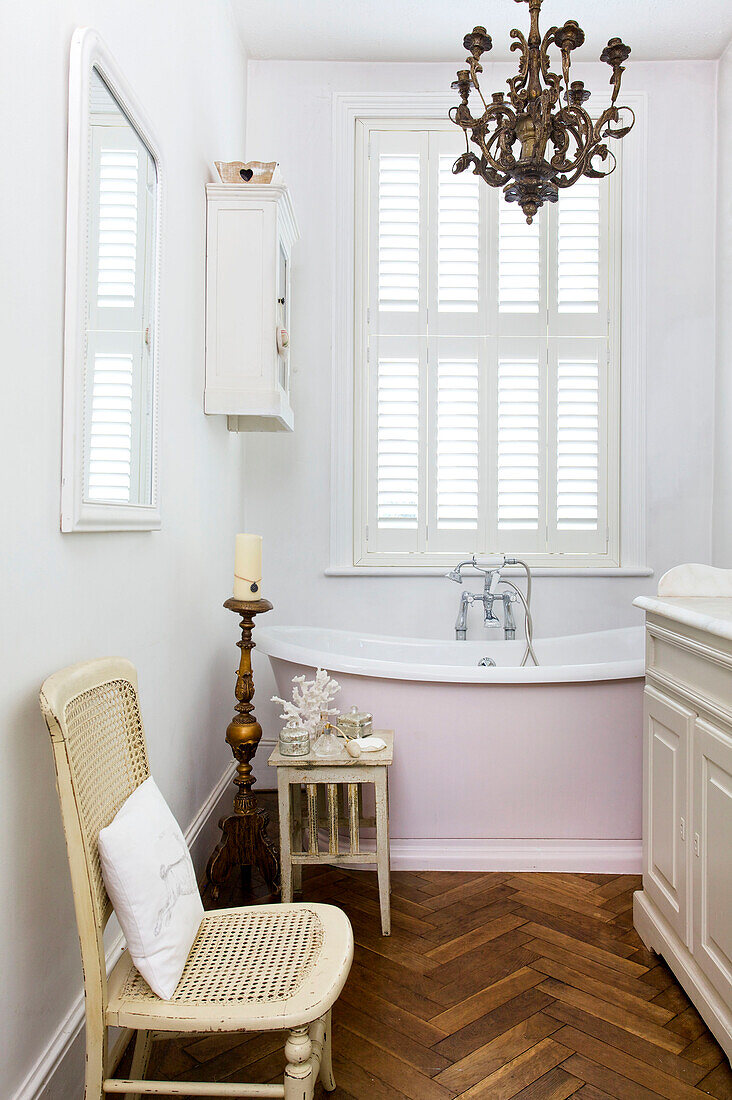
(330,774)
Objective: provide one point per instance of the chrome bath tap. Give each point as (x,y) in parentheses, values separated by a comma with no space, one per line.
(488,597)
(491,569)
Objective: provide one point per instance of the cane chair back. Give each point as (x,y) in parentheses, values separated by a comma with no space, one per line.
(93,717)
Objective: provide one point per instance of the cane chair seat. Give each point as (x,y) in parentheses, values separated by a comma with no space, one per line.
(260,968)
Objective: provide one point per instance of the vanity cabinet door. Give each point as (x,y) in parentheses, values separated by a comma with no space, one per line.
(668,728)
(712,863)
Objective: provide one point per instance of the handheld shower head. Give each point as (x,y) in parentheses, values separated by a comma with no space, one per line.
(456,574)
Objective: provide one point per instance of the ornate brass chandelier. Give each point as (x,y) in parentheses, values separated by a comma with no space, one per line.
(543,109)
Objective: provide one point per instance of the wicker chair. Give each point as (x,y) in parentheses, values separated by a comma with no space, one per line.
(259,968)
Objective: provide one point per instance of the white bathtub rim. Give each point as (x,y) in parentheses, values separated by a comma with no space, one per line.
(273,642)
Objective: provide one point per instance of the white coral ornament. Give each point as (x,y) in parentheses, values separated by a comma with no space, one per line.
(310,699)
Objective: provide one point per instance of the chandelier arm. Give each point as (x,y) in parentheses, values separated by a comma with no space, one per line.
(492,177)
(580,125)
(586,167)
(517,84)
(572,175)
(503,138)
(475,68)
(466,121)
(551,79)
(603,128)
(577,123)
(604,153)
(480,168)
(485,144)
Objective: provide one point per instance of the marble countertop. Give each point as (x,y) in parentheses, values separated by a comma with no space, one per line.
(713,614)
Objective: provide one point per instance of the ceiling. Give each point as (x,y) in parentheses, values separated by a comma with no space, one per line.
(432,30)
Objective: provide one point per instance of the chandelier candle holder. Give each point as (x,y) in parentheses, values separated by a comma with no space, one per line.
(244,842)
(544,115)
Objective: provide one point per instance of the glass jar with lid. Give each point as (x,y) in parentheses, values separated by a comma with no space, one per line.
(356,723)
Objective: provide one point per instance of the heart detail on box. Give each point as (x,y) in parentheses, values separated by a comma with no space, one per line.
(246,174)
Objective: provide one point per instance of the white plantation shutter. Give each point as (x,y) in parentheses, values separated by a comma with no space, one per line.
(458,239)
(457,445)
(399,232)
(518,438)
(519,261)
(397,443)
(488,408)
(578,440)
(578,248)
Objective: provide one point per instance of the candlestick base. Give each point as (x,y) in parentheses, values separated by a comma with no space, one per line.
(244,842)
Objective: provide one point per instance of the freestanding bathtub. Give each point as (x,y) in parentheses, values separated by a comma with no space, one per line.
(496,768)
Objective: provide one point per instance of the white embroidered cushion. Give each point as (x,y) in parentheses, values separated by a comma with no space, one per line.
(149,876)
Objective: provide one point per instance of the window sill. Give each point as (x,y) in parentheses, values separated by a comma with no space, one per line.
(439,571)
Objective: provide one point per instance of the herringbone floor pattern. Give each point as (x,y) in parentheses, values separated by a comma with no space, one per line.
(491,987)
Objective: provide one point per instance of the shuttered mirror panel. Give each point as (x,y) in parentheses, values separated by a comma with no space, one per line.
(118,397)
(490,391)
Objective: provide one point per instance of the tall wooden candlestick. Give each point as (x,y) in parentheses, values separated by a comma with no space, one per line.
(244,842)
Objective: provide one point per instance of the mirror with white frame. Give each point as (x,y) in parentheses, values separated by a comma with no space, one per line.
(110,414)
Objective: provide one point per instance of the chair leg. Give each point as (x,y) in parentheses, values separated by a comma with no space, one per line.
(140,1059)
(299,1077)
(326,1059)
(96,1058)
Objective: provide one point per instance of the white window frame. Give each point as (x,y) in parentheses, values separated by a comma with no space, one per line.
(354,113)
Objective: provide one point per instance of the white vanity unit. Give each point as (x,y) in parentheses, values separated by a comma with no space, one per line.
(684,911)
(250,231)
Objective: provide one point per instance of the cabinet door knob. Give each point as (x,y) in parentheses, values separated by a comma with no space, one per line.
(697,844)
(682,829)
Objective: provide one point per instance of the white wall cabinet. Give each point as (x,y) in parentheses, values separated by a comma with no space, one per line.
(684,911)
(250,232)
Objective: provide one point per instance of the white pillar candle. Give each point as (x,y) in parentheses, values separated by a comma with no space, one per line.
(248,567)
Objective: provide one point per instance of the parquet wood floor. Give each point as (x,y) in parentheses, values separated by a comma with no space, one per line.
(491,987)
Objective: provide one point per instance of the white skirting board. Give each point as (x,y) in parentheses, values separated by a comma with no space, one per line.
(58,1071)
(658,936)
(609,857)
(602,857)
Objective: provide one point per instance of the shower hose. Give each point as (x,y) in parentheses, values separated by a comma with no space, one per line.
(526,601)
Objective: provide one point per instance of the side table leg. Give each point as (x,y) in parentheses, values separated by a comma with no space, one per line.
(298,835)
(283,799)
(382,850)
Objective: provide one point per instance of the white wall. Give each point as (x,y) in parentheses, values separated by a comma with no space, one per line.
(723,433)
(289,118)
(153,597)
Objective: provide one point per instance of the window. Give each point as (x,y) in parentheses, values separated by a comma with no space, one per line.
(486,362)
